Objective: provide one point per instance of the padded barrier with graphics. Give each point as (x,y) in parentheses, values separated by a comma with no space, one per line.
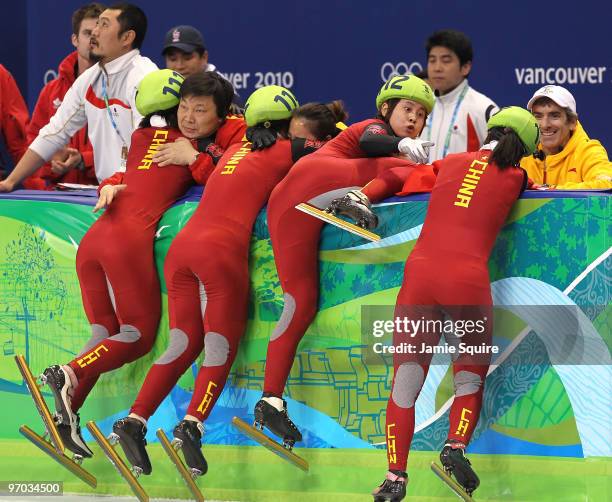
(544,431)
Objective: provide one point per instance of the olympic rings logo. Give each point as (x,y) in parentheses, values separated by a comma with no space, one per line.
(388,70)
(49,75)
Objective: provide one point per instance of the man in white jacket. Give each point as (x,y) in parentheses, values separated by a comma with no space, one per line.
(103,98)
(458,122)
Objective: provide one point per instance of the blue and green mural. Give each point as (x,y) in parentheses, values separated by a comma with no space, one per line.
(545,431)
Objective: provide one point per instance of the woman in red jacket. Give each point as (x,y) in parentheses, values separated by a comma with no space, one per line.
(447,275)
(115,262)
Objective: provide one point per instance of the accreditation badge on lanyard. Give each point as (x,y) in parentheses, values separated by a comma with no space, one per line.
(124,148)
(124,155)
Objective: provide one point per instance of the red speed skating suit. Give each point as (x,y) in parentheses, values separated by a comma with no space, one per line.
(447,273)
(116,267)
(207,275)
(339,166)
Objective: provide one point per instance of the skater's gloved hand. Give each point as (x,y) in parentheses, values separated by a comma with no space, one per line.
(107,195)
(417,149)
(261,137)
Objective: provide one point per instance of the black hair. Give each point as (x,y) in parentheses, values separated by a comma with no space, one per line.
(323,118)
(280,127)
(456,41)
(89,11)
(209,83)
(391,104)
(169,115)
(509,150)
(422,74)
(199,50)
(131,18)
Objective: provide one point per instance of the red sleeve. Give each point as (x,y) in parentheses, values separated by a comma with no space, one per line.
(14,115)
(41,113)
(421,179)
(231,131)
(115,179)
(35,182)
(201,168)
(88,158)
(388,183)
(40,118)
(437,165)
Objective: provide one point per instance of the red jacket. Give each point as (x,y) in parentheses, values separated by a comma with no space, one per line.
(14,115)
(231,131)
(48,102)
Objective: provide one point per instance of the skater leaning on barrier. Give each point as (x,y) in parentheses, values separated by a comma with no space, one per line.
(353,158)
(209,258)
(470,201)
(115,262)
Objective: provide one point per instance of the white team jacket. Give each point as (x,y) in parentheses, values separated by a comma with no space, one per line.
(469,128)
(84,105)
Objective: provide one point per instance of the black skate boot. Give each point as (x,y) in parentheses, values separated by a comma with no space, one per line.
(59,382)
(357,207)
(130,433)
(277,421)
(71,436)
(455,462)
(188,437)
(393,488)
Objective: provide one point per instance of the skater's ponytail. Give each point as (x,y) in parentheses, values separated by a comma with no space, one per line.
(170,116)
(509,149)
(324,121)
(517,133)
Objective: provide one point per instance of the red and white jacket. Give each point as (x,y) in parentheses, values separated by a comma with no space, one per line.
(468,130)
(84,104)
(49,100)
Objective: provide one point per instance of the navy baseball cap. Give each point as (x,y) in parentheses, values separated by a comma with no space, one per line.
(184,37)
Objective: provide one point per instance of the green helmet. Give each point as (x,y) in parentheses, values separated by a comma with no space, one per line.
(269,103)
(522,122)
(406,87)
(158,90)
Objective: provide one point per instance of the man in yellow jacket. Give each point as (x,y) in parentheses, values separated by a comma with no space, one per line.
(566,158)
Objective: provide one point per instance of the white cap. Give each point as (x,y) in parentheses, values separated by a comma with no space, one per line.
(556,93)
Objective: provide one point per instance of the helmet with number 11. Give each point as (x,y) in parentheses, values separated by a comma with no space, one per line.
(269,104)
(158,91)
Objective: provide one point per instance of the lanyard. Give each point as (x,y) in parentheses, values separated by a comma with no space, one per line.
(110,115)
(452,122)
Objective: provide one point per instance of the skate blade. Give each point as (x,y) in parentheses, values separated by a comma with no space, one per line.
(338,222)
(41,405)
(452,484)
(117,462)
(270,444)
(60,458)
(180,466)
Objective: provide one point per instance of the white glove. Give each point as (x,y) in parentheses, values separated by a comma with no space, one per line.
(416,149)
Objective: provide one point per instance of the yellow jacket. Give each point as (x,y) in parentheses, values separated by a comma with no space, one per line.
(583,163)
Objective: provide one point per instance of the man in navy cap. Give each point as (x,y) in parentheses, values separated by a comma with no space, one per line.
(185,51)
